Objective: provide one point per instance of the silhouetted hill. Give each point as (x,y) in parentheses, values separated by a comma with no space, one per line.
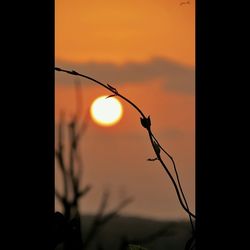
(111,234)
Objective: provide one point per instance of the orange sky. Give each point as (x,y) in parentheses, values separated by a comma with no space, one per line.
(119,32)
(122,31)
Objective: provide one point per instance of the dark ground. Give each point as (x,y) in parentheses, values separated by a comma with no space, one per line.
(111,234)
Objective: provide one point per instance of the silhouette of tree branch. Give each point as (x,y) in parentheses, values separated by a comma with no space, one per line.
(146,123)
(100,218)
(71,177)
(73,145)
(115,211)
(84,191)
(60,155)
(72,172)
(59,196)
(178,181)
(190,244)
(83,124)
(103,205)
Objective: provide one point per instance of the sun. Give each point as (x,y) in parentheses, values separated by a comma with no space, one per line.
(106,111)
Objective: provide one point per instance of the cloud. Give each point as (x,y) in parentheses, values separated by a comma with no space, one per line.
(175,77)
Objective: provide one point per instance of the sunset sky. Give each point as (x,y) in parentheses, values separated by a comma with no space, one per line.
(145,49)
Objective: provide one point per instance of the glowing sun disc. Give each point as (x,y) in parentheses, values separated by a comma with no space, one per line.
(106,111)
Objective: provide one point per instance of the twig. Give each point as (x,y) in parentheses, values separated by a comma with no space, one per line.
(60,155)
(146,123)
(101,219)
(178,181)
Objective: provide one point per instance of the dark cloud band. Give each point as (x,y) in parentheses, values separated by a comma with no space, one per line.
(176,77)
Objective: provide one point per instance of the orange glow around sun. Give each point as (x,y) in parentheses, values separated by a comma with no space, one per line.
(106,111)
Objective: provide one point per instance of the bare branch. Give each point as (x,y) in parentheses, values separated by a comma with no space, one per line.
(151,137)
(84,191)
(115,211)
(60,132)
(110,88)
(110,96)
(101,219)
(71,127)
(146,124)
(59,196)
(103,205)
(178,180)
(59,155)
(96,222)
(152,159)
